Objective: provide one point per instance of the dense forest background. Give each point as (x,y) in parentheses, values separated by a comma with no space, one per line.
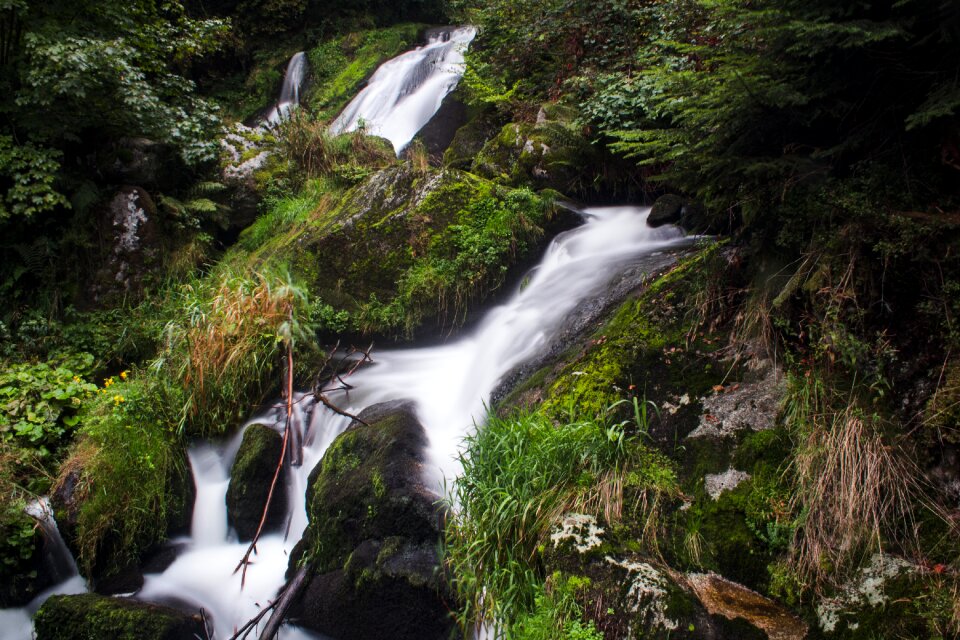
(820,139)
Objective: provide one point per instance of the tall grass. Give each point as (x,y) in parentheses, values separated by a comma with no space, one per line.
(857,494)
(224,347)
(315,152)
(520,475)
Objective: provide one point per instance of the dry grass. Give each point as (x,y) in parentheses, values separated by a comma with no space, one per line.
(315,152)
(856,493)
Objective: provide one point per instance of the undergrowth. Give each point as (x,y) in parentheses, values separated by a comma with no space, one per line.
(520,475)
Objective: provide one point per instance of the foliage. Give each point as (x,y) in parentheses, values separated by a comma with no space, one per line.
(556,614)
(29,173)
(519,476)
(40,403)
(111,68)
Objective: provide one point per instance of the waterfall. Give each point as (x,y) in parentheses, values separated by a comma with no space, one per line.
(290,92)
(451,386)
(407,91)
(17,624)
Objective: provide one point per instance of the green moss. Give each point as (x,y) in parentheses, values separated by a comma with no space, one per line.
(134,469)
(91,617)
(21,549)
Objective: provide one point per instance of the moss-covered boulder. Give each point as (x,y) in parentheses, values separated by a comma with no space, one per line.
(374,535)
(469,140)
(546,155)
(666,210)
(250,479)
(406,248)
(92,617)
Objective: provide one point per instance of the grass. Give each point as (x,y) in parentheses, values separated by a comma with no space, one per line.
(222,347)
(856,493)
(520,475)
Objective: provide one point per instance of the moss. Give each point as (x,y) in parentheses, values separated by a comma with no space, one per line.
(21,556)
(91,617)
(250,480)
(134,485)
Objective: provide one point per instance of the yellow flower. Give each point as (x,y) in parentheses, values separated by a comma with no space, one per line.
(108,381)
(76,379)
(117,399)
(123,374)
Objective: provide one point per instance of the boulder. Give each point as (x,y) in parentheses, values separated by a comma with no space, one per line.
(142,161)
(130,221)
(81,617)
(374,535)
(250,480)
(666,210)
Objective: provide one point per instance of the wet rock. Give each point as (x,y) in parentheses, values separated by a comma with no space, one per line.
(374,535)
(250,479)
(666,210)
(81,617)
(731,600)
(130,220)
(440,130)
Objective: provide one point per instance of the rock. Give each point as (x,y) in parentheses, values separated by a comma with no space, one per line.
(130,220)
(23,571)
(441,129)
(374,535)
(142,161)
(731,600)
(81,617)
(550,155)
(666,210)
(746,406)
(469,140)
(250,480)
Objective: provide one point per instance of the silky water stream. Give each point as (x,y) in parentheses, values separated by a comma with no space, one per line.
(450,385)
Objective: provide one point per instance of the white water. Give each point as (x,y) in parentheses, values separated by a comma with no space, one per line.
(17,624)
(290,91)
(407,91)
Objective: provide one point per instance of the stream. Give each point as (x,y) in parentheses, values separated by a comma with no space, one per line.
(451,384)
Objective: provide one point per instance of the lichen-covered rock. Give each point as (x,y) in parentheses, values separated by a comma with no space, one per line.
(741,406)
(89,616)
(374,535)
(130,220)
(250,479)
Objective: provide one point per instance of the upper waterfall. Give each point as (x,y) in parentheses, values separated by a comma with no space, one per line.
(407,91)
(290,92)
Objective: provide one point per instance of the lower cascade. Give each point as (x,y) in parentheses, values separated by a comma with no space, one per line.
(450,387)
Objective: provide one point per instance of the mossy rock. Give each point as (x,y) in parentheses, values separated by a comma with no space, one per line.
(250,480)
(405,249)
(93,617)
(549,155)
(666,210)
(374,534)
(470,139)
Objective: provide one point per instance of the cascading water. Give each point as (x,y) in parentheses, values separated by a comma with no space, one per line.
(451,385)
(290,92)
(407,91)
(17,624)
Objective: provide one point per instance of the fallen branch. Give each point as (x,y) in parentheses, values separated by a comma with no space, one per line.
(329,405)
(245,561)
(280,606)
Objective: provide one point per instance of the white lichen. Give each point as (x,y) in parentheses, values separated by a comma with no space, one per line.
(128,217)
(717,483)
(581,529)
(865,589)
(648,592)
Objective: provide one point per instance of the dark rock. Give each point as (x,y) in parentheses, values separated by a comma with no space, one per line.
(130,220)
(250,480)
(666,210)
(469,140)
(81,617)
(23,549)
(144,162)
(374,535)
(441,129)
(694,218)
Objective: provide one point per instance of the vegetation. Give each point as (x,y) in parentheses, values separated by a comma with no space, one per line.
(520,475)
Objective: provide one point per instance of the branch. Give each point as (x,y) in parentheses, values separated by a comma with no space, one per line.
(245,561)
(290,591)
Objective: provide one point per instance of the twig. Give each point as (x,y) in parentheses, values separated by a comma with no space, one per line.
(245,630)
(245,561)
(329,405)
(290,591)
(206,626)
